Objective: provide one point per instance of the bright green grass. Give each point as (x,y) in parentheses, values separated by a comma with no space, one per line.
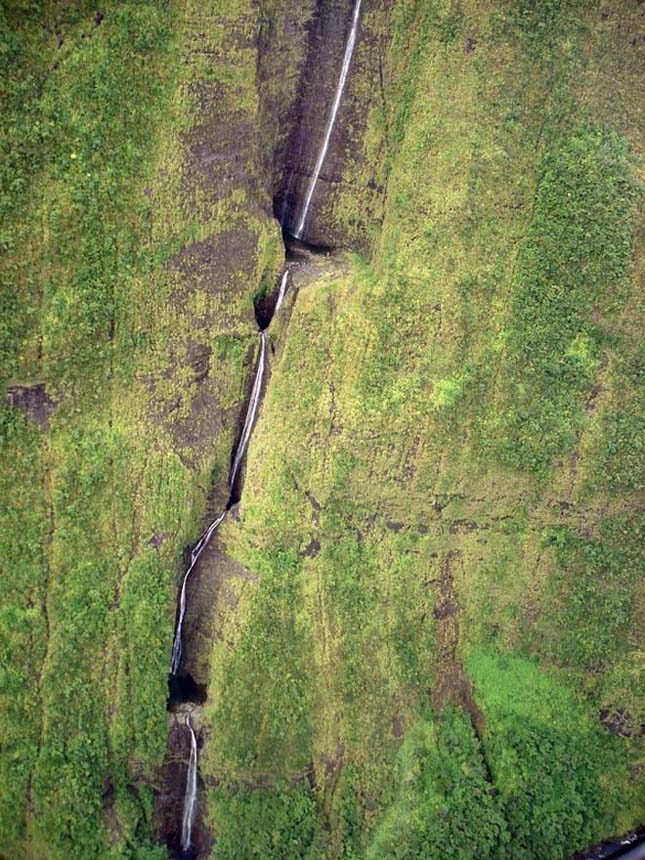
(562,780)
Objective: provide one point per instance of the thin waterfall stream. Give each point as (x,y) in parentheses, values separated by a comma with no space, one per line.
(250,414)
(281,292)
(198,549)
(190,796)
(238,457)
(190,799)
(347,59)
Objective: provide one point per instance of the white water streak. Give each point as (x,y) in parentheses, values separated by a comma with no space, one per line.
(250,414)
(198,549)
(190,798)
(283,289)
(349,50)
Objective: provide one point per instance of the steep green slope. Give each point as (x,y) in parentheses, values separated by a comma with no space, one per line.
(126,331)
(425,637)
(442,507)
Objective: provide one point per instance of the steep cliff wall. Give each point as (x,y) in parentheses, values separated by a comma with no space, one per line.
(348,201)
(418,632)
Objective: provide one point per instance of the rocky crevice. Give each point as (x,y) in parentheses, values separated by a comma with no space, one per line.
(291,119)
(451,686)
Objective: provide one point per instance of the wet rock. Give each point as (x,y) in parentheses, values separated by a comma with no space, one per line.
(169,800)
(343,171)
(199,355)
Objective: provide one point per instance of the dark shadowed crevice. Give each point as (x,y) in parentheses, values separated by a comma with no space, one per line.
(629,847)
(264,306)
(296,249)
(184,689)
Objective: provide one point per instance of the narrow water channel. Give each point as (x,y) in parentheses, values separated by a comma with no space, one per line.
(177,690)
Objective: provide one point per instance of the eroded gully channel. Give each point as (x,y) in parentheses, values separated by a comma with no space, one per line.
(183,689)
(184,692)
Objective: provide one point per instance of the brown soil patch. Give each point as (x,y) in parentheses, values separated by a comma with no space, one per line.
(452,687)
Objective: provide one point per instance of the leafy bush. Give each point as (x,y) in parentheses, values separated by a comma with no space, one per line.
(279,823)
(549,761)
(445,807)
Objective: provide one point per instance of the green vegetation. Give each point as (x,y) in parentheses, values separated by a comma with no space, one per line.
(280,823)
(558,774)
(448,431)
(424,635)
(577,250)
(444,805)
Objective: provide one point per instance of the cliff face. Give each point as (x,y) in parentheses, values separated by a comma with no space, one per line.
(417,633)
(348,199)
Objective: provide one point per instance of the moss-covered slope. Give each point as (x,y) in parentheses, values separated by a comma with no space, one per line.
(421,625)
(440,656)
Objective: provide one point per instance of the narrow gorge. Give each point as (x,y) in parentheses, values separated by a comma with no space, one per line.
(184,689)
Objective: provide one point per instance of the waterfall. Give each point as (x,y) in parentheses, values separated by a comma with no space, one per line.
(190,798)
(250,414)
(283,289)
(349,50)
(198,549)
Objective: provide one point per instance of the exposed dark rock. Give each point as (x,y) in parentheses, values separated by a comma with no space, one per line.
(312,549)
(169,799)
(184,689)
(158,539)
(452,686)
(620,722)
(33,401)
(394,526)
(345,161)
(628,847)
(397,726)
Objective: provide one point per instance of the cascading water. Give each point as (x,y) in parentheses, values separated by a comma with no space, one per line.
(190,798)
(204,540)
(250,414)
(198,549)
(281,292)
(349,50)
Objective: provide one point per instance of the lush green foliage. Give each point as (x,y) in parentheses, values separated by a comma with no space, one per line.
(445,807)
(23,618)
(278,823)
(577,250)
(445,431)
(556,770)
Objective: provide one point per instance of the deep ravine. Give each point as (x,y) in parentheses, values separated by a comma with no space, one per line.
(177,690)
